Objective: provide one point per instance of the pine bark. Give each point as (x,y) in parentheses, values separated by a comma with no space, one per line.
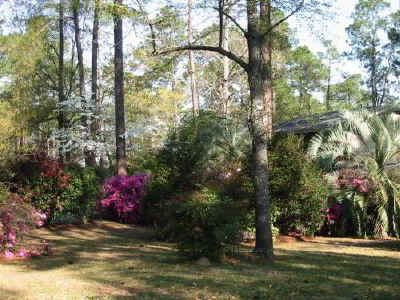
(81,71)
(191,67)
(119,94)
(95,123)
(61,93)
(260,117)
(226,70)
(261,103)
(328,93)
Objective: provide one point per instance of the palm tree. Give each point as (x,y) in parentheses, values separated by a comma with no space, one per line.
(369,143)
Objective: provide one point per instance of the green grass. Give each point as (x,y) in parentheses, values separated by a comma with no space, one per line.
(113,261)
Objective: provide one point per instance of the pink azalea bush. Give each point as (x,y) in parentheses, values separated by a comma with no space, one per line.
(123,195)
(335,213)
(351,180)
(17,218)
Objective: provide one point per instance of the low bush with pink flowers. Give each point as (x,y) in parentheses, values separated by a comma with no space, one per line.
(66,193)
(122,197)
(17,218)
(350,179)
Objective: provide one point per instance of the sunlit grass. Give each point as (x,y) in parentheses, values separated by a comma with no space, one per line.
(113,261)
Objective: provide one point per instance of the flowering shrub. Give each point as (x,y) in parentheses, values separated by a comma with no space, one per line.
(334,213)
(43,181)
(349,179)
(17,217)
(66,193)
(123,195)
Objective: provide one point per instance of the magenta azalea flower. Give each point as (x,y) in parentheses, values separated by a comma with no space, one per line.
(123,195)
(23,253)
(8,254)
(11,236)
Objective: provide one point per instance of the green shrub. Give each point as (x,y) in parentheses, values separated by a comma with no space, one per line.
(298,188)
(202,150)
(206,223)
(197,184)
(81,195)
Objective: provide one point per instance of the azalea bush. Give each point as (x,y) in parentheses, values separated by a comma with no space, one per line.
(359,205)
(122,197)
(350,179)
(17,218)
(48,189)
(66,193)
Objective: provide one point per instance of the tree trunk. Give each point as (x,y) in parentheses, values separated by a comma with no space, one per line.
(81,70)
(94,124)
(390,212)
(119,95)
(61,94)
(226,70)
(328,91)
(260,119)
(191,67)
(261,105)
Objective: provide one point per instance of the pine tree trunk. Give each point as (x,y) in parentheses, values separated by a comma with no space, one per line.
(61,94)
(260,119)
(192,68)
(81,70)
(328,91)
(119,95)
(95,122)
(226,71)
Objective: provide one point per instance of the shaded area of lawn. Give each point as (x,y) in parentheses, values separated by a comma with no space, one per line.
(123,262)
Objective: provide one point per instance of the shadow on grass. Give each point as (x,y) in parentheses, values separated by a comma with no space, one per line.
(7,294)
(129,260)
(375,244)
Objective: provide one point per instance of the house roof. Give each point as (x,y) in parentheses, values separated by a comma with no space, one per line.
(320,122)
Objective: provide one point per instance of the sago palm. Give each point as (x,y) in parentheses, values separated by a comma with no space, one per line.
(369,143)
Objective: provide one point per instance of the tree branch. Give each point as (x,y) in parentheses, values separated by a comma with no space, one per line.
(221,22)
(219,50)
(153,38)
(233,21)
(300,6)
(151,26)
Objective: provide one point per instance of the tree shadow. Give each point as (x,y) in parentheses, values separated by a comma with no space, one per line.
(393,245)
(129,260)
(7,294)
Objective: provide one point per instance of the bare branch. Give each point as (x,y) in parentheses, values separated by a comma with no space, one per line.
(233,21)
(153,38)
(219,50)
(221,22)
(151,26)
(296,10)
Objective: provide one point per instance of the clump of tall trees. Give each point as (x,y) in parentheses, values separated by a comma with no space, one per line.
(106,82)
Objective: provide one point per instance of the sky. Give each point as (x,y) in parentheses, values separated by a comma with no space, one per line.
(335,30)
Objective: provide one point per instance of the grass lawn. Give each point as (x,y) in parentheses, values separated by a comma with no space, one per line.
(112,261)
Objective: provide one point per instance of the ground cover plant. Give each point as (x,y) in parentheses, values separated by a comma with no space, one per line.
(106,260)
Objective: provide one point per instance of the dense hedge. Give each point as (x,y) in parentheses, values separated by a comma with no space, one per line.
(298,189)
